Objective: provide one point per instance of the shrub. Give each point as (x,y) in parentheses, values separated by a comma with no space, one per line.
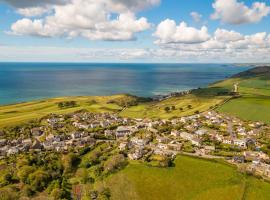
(39,180)
(24,172)
(115,163)
(167,109)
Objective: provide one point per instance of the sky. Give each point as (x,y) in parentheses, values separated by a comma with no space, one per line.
(182,31)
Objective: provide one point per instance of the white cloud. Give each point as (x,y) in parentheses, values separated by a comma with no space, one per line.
(196,16)
(222,46)
(87,18)
(226,36)
(235,12)
(34,11)
(168,32)
(189,53)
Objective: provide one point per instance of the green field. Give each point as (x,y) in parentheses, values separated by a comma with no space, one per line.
(191,178)
(24,112)
(157,110)
(254,103)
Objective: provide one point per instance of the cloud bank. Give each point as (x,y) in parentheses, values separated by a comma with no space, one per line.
(94,20)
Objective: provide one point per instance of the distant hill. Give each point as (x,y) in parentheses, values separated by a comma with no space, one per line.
(257,71)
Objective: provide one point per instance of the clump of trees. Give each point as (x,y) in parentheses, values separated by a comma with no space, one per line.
(128,101)
(114,164)
(67,104)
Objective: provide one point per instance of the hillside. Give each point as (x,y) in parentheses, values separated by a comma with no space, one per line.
(254,101)
(192,178)
(124,105)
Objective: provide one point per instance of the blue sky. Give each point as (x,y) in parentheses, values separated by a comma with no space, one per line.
(135,31)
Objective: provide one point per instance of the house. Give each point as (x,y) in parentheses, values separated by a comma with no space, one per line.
(227,141)
(123,131)
(104,124)
(36,145)
(27,142)
(240,142)
(210,148)
(163,139)
(88,140)
(239,159)
(186,136)
(95,124)
(123,146)
(196,142)
(48,145)
(139,142)
(12,151)
(50,137)
(138,154)
(76,135)
(201,132)
(175,147)
(175,133)
(81,125)
(162,146)
(108,133)
(36,132)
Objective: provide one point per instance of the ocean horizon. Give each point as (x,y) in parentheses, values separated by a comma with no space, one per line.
(27,81)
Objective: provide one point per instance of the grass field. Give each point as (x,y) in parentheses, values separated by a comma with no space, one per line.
(157,110)
(254,103)
(23,112)
(190,179)
(18,113)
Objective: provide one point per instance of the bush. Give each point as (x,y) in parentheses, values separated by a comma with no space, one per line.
(115,163)
(39,180)
(24,172)
(8,194)
(6,177)
(70,162)
(167,109)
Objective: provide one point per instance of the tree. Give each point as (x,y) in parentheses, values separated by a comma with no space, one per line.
(70,161)
(181,109)
(114,163)
(167,109)
(189,106)
(173,108)
(8,194)
(24,172)
(6,177)
(39,180)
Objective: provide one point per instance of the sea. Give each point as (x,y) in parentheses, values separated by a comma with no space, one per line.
(21,82)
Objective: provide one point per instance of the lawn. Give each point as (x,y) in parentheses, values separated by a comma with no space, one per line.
(191,178)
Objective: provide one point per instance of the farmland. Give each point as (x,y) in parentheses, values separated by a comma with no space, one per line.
(190,178)
(254,102)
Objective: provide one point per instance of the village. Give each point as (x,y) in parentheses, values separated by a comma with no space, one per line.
(208,135)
